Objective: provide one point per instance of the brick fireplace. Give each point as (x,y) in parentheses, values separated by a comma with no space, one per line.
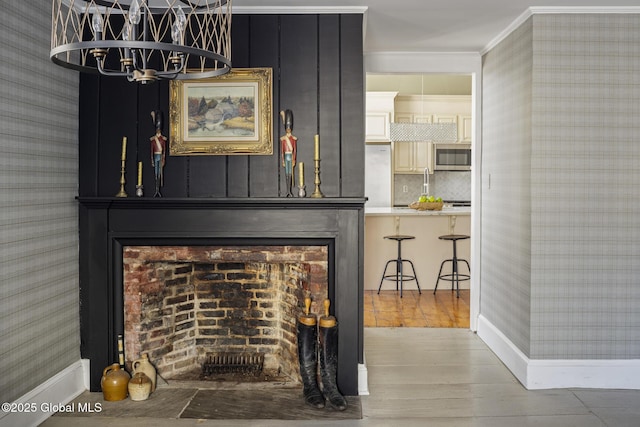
(108,226)
(184,305)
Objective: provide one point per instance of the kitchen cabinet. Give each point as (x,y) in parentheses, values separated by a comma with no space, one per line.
(413,118)
(464,128)
(445,118)
(377,126)
(455,109)
(412,157)
(379,115)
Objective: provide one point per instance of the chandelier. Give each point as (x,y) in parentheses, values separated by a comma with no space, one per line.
(143,40)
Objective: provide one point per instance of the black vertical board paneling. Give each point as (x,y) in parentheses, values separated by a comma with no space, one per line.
(238,176)
(263,170)
(207,176)
(352,77)
(95,315)
(294,46)
(352,70)
(299,86)
(238,165)
(330,108)
(118,116)
(241,38)
(89,118)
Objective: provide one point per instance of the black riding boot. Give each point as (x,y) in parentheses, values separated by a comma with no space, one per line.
(329,366)
(308,355)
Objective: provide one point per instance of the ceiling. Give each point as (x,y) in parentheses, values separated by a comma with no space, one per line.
(428,25)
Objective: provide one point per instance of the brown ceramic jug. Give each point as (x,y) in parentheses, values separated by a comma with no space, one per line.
(144,365)
(139,386)
(114,383)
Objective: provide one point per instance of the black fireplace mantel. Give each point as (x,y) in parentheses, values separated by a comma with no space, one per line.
(109,223)
(230,202)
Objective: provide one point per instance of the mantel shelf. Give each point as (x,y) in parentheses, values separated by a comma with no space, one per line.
(222,203)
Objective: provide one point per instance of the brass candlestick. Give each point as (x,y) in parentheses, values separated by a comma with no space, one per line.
(122,193)
(317,193)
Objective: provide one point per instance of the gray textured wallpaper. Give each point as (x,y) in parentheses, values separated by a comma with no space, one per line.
(561,216)
(39,326)
(506,202)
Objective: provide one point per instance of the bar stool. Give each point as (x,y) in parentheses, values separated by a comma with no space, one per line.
(399,277)
(455,275)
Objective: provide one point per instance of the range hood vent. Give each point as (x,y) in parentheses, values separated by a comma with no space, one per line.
(440,132)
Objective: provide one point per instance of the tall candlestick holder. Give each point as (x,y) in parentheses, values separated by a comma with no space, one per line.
(122,193)
(317,193)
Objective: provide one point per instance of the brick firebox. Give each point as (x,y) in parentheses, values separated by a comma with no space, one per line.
(183,303)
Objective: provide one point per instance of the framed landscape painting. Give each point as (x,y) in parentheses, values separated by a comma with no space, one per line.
(228,114)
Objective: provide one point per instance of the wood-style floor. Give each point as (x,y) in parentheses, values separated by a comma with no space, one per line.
(417,377)
(426,310)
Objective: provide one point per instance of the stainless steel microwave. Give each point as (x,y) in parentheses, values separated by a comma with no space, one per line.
(452,156)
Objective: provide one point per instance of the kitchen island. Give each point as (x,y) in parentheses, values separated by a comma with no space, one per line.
(426,250)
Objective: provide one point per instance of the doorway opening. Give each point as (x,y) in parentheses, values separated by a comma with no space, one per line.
(422,98)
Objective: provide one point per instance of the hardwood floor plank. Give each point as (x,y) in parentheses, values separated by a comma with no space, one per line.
(415,309)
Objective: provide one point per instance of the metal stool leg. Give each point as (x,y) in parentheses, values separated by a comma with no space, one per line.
(399,272)
(384,272)
(414,274)
(439,274)
(455,270)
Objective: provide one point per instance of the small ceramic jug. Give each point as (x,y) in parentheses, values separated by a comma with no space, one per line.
(144,365)
(139,386)
(114,383)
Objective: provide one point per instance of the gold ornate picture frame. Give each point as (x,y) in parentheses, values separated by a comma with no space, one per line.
(228,114)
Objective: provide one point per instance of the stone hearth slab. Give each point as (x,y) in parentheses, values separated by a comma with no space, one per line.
(162,403)
(278,404)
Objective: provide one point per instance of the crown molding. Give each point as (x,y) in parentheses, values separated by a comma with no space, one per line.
(298,10)
(555,10)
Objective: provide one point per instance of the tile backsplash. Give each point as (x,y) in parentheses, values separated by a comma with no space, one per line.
(450,185)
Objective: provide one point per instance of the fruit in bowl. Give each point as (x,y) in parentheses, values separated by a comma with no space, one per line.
(429,199)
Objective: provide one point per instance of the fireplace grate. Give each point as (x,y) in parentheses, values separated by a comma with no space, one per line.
(233,363)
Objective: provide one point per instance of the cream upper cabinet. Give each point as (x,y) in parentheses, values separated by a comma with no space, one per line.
(411,157)
(403,157)
(445,118)
(378,126)
(378,117)
(454,109)
(464,128)
(423,156)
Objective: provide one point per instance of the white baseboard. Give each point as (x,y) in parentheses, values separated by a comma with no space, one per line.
(363,380)
(60,389)
(539,374)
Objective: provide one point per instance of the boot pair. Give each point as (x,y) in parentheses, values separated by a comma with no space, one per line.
(308,331)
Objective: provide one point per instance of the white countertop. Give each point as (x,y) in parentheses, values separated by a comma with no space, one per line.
(457,210)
